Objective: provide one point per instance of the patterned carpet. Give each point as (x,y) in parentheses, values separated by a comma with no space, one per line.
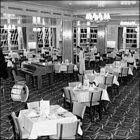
(121,121)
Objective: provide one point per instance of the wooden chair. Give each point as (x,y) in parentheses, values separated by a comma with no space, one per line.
(73,84)
(80,78)
(68,98)
(20,132)
(104,102)
(70,69)
(79,111)
(66,130)
(88,71)
(116,87)
(97,61)
(95,100)
(109,82)
(18,79)
(123,75)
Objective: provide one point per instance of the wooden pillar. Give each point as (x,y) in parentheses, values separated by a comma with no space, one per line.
(67,41)
(101,39)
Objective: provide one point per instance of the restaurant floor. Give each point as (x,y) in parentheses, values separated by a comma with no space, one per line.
(120,122)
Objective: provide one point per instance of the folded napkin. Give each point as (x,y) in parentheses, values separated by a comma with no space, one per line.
(75,88)
(60,110)
(32,114)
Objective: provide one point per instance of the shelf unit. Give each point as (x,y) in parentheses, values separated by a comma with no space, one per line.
(74,37)
(83,37)
(4,38)
(45,39)
(87,38)
(40,38)
(131,37)
(93,36)
(9,39)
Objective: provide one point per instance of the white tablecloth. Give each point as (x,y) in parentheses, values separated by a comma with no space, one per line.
(112,68)
(83,95)
(99,79)
(45,126)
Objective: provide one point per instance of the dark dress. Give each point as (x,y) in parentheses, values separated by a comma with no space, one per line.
(3,66)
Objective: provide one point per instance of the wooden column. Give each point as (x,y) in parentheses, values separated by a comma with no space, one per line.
(67,41)
(101,39)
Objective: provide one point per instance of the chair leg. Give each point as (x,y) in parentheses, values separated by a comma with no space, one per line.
(91,114)
(100,111)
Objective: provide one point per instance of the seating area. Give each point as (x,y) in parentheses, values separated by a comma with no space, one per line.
(108,124)
(69,70)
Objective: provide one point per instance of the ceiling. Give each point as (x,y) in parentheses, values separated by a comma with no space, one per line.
(80,8)
(84,5)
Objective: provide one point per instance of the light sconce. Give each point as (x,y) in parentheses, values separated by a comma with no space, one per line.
(127,23)
(101,34)
(67,34)
(37,21)
(9,27)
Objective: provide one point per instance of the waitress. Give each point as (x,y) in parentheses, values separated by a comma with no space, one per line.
(81,62)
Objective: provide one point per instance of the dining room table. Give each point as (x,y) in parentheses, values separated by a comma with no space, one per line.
(116,67)
(45,125)
(81,93)
(98,78)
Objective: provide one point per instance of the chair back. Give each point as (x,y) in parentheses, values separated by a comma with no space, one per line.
(19,127)
(103,86)
(131,67)
(97,58)
(109,80)
(67,94)
(16,128)
(14,75)
(67,130)
(73,84)
(70,68)
(95,96)
(124,71)
(88,71)
(79,109)
(56,68)
(116,74)
(32,105)
(80,78)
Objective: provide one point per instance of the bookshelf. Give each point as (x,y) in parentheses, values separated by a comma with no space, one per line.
(4,38)
(74,37)
(46,38)
(131,37)
(86,38)
(83,37)
(93,36)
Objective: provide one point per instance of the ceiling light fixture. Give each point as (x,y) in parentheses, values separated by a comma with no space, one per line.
(128,2)
(100,17)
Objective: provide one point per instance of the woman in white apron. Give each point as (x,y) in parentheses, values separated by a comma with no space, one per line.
(81,61)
